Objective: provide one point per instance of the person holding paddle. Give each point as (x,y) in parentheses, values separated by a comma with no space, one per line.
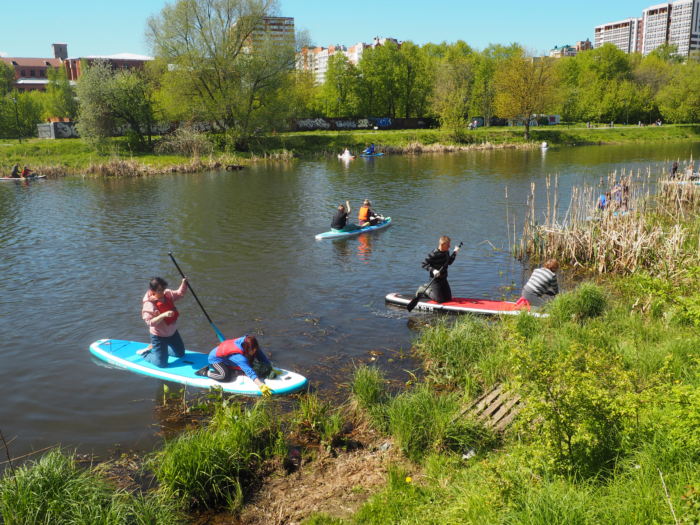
(159,312)
(436,263)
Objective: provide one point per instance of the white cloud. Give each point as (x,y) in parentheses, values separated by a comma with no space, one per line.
(3,54)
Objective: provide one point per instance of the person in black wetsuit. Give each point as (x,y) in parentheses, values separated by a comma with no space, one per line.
(15,171)
(436,263)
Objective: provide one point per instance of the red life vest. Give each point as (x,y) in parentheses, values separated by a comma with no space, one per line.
(229,347)
(166,304)
(363,215)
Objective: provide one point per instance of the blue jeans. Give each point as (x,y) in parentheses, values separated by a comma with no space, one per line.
(164,346)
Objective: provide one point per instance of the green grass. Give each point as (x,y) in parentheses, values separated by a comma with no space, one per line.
(211,467)
(55,490)
(317,420)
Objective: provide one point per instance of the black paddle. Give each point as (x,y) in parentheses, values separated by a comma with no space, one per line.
(218,333)
(410,306)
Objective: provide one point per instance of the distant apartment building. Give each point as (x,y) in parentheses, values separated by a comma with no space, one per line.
(624,34)
(31,74)
(315,59)
(276,29)
(676,23)
(570,51)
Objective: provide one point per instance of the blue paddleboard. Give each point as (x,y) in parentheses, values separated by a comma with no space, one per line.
(123,354)
(380,154)
(339,234)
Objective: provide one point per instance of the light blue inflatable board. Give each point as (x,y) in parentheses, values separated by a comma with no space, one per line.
(123,354)
(372,154)
(339,234)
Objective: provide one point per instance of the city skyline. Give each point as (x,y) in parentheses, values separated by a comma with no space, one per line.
(110,28)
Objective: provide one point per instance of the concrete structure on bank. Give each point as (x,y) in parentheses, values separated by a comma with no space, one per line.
(31,74)
(676,23)
(316,59)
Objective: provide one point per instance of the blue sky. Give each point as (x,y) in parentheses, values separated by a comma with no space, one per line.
(100,27)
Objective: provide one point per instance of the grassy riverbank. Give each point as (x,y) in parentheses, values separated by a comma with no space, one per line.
(75,156)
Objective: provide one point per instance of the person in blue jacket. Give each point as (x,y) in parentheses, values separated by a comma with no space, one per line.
(235,356)
(369,150)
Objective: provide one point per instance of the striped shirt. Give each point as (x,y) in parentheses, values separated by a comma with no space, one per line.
(542,282)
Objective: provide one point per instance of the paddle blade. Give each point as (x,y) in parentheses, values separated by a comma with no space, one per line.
(410,306)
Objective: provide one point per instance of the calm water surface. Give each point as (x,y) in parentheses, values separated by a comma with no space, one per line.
(77,254)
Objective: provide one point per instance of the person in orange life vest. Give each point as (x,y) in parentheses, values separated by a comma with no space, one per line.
(160,314)
(26,172)
(237,355)
(367,216)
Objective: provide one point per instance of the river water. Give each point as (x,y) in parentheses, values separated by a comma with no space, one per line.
(77,254)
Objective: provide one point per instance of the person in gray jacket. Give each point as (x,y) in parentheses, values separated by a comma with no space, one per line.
(542,285)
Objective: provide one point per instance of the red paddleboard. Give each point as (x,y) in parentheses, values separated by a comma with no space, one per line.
(462,305)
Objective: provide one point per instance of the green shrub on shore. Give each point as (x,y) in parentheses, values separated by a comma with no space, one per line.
(211,466)
(585,302)
(466,355)
(368,387)
(317,420)
(57,491)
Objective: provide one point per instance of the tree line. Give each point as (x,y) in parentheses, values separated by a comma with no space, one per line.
(212,66)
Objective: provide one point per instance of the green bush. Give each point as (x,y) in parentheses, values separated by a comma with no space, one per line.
(368,388)
(424,421)
(209,467)
(318,420)
(465,354)
(54,490)
(585,302)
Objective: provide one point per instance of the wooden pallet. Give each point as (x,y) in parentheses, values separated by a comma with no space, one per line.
(496,408)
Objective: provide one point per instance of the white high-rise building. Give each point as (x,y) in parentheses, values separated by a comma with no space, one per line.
(676,23)
(624,34)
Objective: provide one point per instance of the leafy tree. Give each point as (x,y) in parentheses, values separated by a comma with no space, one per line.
(110,100)
(60,98)
(379,87)
(667,53)
(20,113)
(679,101)
(339,91)
(218,69)
(7,78)
(413,76)
(524,87)
(485,66)
(453,86)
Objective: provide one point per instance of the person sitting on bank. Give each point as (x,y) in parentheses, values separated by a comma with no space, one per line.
(603,201)
(340,219)
(159,312)
(26,172)
(235,356)
(15,172)
(436,263)
(367,216)
(542,285)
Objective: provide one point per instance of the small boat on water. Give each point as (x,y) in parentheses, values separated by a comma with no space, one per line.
(338,234)
(462,305)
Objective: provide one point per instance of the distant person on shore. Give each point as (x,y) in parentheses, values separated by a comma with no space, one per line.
(160,315)
(542,285)
(340,219)
(436,263)
(15,172)
(367,216)
(238,356)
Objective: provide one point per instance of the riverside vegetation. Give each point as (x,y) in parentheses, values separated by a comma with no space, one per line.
(609,432)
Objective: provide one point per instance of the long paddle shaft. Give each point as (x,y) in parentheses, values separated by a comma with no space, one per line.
(410,306)
(218,332)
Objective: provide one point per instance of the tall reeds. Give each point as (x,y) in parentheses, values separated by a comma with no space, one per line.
(638,229)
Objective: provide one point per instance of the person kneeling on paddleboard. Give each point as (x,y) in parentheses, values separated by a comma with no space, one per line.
(238,356)
(436,263)
(367,216)
(542,285)
(160,314)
